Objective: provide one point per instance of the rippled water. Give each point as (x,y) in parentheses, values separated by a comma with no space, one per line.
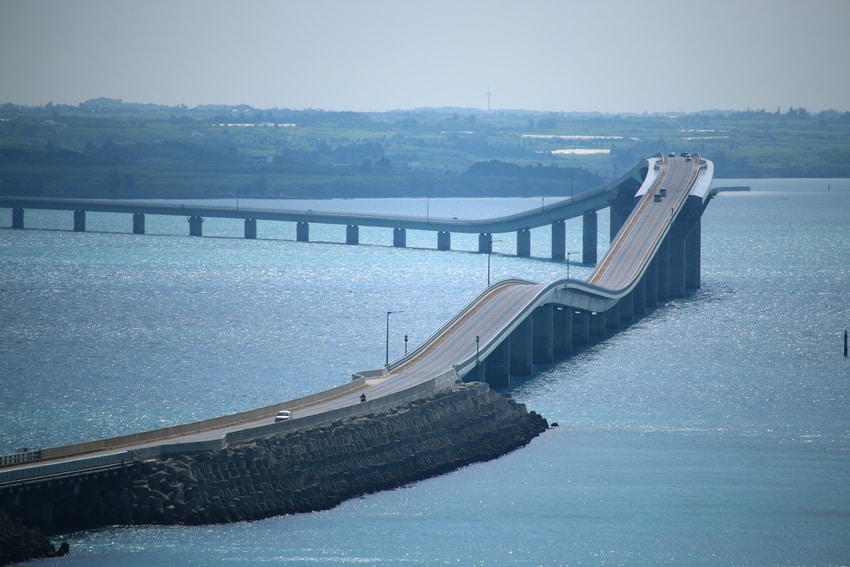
(715,431)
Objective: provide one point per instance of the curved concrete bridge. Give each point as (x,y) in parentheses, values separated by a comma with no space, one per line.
(515,324)
(508,328)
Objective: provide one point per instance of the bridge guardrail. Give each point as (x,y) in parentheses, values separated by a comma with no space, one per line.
(383,403)
(19,457)
(65,468)
(165,433)
(446,326)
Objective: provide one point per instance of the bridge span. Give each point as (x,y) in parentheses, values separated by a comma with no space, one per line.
(616,196)
(506,330)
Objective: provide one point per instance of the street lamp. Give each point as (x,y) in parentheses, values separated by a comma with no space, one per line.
(388,334)
(568,263)
(477,339)
(489,251)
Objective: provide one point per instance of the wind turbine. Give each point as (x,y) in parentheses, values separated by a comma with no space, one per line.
(487,94)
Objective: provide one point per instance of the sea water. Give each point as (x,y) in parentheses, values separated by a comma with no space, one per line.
(713,431)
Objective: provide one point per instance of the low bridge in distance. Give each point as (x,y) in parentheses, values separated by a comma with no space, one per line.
(616,196)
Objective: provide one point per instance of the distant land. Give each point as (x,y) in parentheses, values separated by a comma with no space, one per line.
(108,148)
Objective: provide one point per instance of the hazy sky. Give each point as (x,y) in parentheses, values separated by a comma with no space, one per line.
(563,55)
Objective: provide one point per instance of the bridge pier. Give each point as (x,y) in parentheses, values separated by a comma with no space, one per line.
(196,225)
(79,221)
(522,345)
(562,330)
(612,317)
(693,256)
(627,308)
(619,210)
(138,223)
(676,274)
(559,240)
(542,333)
(523,243)
(663,257)
(596,324)
(639,297)
(302,232)
(399,238)
(352,234)
(588,237)
(17,217)
(497,367)
(581,327)
(444,240)
(251,229)
(485,243)
(650,278)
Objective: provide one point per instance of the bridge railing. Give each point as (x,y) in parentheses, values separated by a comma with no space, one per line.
(65,468)
(166,433)
(123,458)
(448,324)
(23,456)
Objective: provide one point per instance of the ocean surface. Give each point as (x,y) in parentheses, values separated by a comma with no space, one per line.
(714,431)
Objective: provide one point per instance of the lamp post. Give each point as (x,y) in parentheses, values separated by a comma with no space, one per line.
(477,360)
(388,335)
(568,263)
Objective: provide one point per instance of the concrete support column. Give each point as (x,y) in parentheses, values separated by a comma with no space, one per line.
(618,213)
(485,242)
(497,366)
(352,234)
(596,324)
(651,284)
(138,223)
(693,256)
(79,221)
(559,240)
(626,305)
(17,217)
(521,349)
(612,317)
(399,238)
(663,257)
(619,210)
(562,330)
(196,225)
(542,333)
(639,297)
(588,237)
(444,240)
(251,229)
(676,276)
(581,327)
(302,231)
(523,243)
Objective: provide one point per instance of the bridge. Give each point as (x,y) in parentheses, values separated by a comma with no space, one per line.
(617,196)
(506,330)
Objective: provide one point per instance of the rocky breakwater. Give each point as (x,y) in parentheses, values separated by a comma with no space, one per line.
(318,468)
(20,543)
